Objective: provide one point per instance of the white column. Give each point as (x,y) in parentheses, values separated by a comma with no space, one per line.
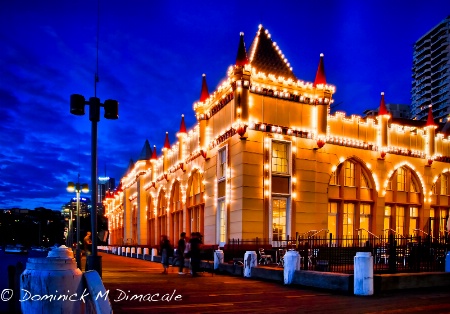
(250,260)
(363,274)
(218,258)
(291,264)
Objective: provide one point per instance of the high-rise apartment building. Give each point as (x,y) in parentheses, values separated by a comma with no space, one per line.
(431,74)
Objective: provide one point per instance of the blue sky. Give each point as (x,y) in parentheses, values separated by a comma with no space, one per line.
(152,55)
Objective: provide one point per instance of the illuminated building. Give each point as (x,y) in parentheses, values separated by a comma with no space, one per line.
(268,160)
(431,73)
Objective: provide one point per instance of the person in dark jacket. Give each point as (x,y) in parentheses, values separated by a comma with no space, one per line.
(194,253)
(179,258)
(165,249)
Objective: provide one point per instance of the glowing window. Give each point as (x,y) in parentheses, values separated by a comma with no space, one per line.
(349,174)
(401,179)
(280,158)
(444,184)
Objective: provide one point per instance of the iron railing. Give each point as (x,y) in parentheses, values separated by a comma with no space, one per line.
(323,252)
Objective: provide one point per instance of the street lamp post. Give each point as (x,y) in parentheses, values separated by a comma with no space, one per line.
(77,103)
(78,188)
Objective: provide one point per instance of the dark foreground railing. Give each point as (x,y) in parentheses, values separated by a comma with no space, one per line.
(391,254)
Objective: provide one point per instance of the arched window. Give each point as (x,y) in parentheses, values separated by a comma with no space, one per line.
(195,203)
(162,214)
(176,210)
(403,203)
(350,205)
(440,202)
(151,216)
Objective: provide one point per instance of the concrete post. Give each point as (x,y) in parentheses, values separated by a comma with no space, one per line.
(154,253)
(54,275)
(291,264)
(363,273)
(146,252)
(250,260)
(218,258)
(447,263)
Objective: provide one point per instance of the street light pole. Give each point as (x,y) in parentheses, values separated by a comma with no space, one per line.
(94,262)
(77,103)
(78,250)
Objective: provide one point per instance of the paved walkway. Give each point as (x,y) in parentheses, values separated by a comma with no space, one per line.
(127,277)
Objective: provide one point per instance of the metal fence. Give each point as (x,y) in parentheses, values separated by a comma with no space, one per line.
(391,254)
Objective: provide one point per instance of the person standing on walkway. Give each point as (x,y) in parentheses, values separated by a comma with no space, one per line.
(165,249)
(194,253)
(180,253)
(87,246)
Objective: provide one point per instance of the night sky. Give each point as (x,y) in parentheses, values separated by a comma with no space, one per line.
(151,57)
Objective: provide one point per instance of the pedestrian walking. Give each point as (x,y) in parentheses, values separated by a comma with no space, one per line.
(179,258)
(194,253)
(166,249)
(87,247)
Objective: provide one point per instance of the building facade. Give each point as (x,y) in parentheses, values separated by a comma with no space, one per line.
(267,160)
(431,73)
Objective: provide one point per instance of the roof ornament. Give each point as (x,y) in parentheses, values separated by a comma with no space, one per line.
(320,74)
(182,125)
(204,94)
(430,119)
(166,141)
(383,109)
(154,155)
(241,58)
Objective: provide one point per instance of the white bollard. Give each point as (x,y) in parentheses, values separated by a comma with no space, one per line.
(154,253)
(119,251)
(363,273)
(447,263)
(291,264)
(218,258)
(139,250)
(54,275)
(127,251)
(123,252)
(133,251)
(145,252)
(250,260)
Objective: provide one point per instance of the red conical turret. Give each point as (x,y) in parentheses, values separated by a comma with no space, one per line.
(241,58)
(154,155)
(166,142)
(320,74)
(204,94)
(430,119)
(182,125)
(383,109)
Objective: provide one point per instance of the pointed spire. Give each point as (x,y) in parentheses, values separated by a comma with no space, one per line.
(182,125)
(383,109)
(166,141)
(320,74)
(146,151)
(204,94)
(154,155)
(241,58)
(266,56)
(130,165)
(430,119)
